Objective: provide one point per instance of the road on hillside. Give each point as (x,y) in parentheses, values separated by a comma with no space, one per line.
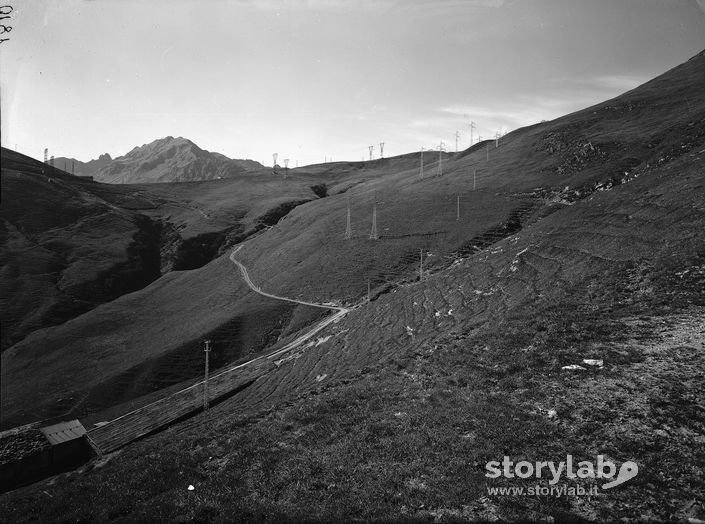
(112,435)
(341,311)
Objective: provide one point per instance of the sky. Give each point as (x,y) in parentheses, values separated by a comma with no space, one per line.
(315,80)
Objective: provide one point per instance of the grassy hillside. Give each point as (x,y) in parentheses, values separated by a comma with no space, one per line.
(71,244)
(583,240)
(64,248)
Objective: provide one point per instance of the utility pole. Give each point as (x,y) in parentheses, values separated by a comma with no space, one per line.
(474,178)
(457,210)
(381,149)
(348,229)
(471,126)
(496,140)
(420,264)
(286,167)
(440,158)
(457,137)
(207,350)
(422,162)
(274,156)
(46,155)
(371,148)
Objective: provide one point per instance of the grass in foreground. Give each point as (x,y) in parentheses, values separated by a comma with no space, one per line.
(409,439)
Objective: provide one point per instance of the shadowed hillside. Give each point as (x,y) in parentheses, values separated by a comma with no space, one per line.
(580,238)
(64,248)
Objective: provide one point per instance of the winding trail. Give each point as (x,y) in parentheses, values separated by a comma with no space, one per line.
(341,311)
(188,401)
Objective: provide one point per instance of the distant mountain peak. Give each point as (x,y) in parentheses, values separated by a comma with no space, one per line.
(171,159)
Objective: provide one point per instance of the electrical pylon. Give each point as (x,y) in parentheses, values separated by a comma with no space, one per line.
(381,149)
(371,148)
(373,232)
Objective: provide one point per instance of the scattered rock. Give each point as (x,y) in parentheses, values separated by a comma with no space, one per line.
(573,367)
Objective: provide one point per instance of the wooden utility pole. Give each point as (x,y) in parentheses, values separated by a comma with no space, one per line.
(421,265)
(207,350)
(348,229)
(422,162)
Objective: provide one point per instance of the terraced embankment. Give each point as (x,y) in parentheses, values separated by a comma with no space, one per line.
(655,221)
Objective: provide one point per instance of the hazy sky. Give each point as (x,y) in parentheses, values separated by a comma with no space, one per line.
(311,79)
